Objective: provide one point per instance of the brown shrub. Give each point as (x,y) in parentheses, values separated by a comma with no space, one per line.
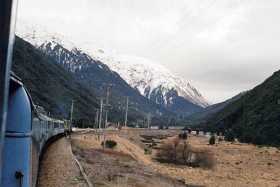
(203,159)
(212,140)
(165,153)
(182,153)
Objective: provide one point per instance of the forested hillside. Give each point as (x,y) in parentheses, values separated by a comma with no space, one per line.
(255,117)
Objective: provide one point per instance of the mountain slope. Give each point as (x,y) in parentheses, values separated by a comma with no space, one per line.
(95,74)
(255,117)
(158,84)
(208,112)
(50,85)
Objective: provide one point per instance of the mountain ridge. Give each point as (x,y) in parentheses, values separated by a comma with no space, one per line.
(171,92)
(137,70)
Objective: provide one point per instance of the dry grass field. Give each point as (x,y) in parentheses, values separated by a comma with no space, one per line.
(236,165)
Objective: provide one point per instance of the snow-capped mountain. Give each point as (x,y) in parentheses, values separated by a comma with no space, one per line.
(154,81)
(151,80)
(91,72)
(38,35)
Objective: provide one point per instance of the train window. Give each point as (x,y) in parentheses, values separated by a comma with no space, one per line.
(35,121)
(35,124)
(56,125)
(50,124)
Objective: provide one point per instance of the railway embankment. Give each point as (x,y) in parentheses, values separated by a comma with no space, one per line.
(58,167)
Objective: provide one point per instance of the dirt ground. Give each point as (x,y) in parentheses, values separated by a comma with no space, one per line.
(58,168)
(237,165)
(120,167)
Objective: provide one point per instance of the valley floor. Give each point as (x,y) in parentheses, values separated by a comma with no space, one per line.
(127,165)
(236,164)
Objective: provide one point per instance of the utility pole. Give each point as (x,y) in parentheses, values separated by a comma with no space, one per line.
(71,115)
(59,54)
(33,35)
(100,113)
(107,104)
(148,120)
(96,117)
(244,115)
(126,112)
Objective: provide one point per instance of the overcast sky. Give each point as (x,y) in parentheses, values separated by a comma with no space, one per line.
(222,47)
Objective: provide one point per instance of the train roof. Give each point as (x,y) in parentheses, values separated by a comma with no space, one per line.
(47,118)
(15,82)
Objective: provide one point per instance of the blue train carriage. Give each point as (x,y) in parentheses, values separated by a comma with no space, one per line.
(27,132)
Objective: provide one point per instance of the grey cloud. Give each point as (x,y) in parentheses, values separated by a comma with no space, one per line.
(221,46)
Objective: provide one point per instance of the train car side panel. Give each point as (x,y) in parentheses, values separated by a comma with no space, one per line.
(17,147)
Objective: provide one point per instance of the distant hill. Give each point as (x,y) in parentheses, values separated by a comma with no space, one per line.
(210,111)
(255,117)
